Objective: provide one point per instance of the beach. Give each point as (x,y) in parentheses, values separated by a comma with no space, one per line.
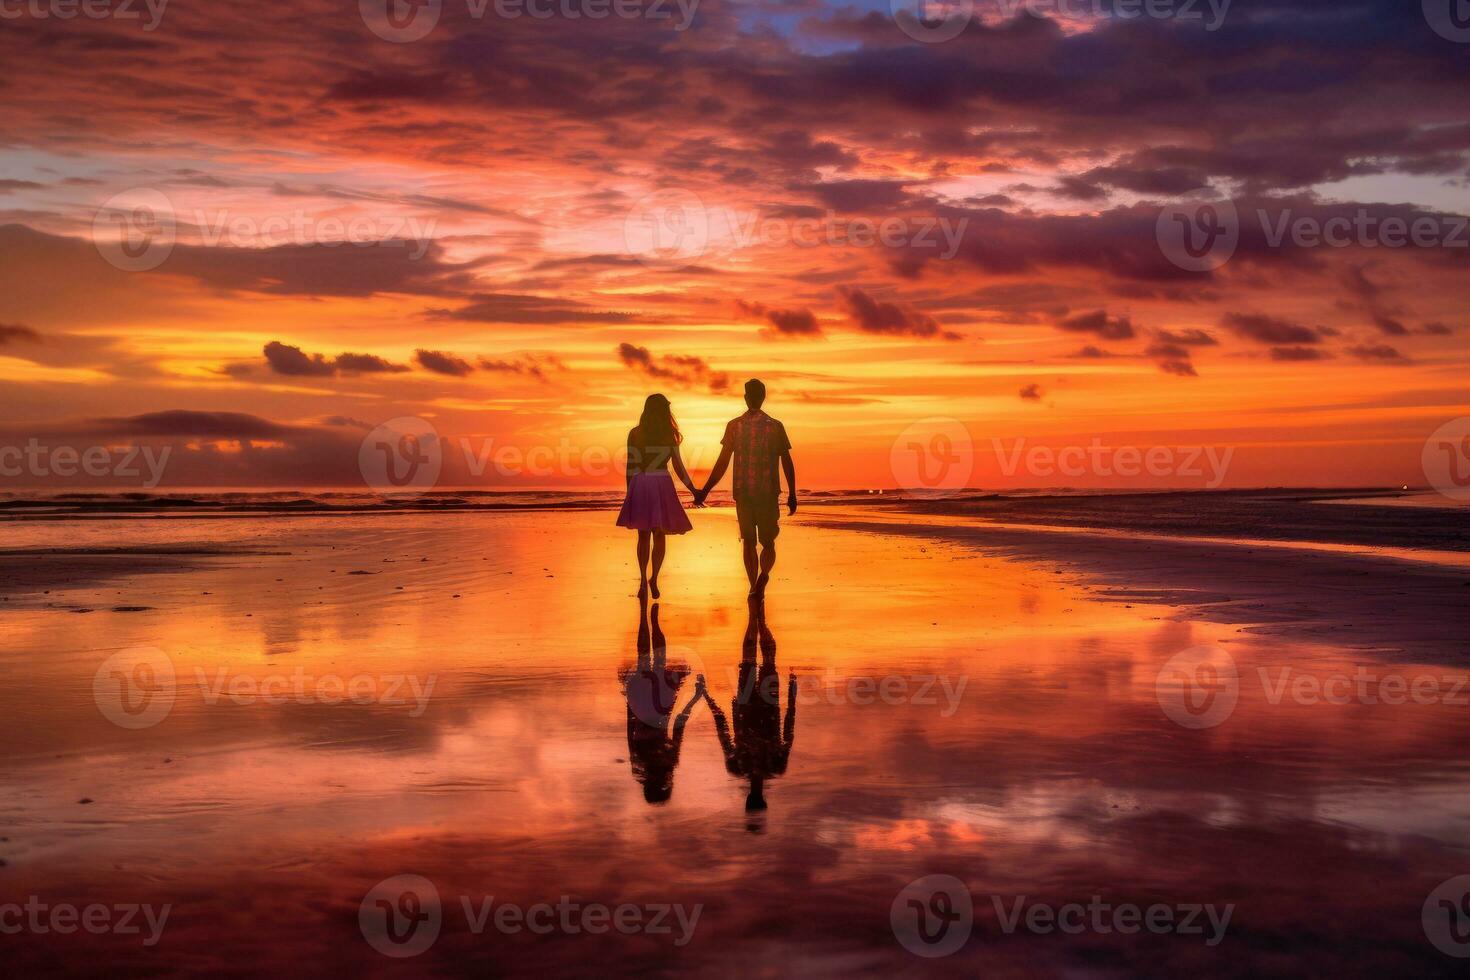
(255,720)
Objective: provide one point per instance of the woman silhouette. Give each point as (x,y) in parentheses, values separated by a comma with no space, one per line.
(652,506)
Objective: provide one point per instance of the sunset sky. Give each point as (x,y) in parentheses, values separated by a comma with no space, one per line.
(977,227)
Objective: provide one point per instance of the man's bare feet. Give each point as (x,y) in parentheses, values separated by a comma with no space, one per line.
(653,587)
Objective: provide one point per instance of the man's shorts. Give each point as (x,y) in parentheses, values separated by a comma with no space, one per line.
(759,519)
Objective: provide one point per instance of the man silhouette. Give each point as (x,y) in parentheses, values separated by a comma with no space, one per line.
(757,442)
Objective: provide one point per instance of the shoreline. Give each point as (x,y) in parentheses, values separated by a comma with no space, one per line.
(1394,606)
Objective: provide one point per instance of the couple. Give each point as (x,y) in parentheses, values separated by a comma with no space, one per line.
(757,443)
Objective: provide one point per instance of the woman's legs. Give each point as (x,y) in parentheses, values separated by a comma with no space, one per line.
(658,561)
(643,562)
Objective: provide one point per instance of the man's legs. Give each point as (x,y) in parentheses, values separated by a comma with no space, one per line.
(751,562)
(767,531)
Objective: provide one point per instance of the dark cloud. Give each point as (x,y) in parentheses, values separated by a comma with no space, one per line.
(1270,330)
(683,370)
(513,308)
(1186,338)
(859,195)
(1169,182)
(1100,323)
(389,86)
(443,363)
(1032,393)
(1299,354)
(533,365)
(367,364)
(294,362)
(783,323)
(203,425)
(880,317)
(1390,326)
(1092,352)
(1079,190)
(14,333)
(1171,358)
(1375,352)
(1183,369)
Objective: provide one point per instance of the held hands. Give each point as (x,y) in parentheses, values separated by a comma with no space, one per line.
(699,496)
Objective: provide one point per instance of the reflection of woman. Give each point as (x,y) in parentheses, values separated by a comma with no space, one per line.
(652,506)
(652,687)
(760,748)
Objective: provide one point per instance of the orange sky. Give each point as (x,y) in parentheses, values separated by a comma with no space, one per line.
(976,228)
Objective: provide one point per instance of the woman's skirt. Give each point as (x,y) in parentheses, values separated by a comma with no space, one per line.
(653,504)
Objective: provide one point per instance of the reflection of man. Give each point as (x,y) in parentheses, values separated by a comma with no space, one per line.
(758,444)
(760,748)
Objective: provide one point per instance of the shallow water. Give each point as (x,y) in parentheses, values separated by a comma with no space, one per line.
(457,714)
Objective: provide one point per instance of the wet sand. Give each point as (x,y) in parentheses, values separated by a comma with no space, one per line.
(1022,746)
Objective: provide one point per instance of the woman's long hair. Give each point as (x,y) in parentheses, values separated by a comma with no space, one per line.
(656,426)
